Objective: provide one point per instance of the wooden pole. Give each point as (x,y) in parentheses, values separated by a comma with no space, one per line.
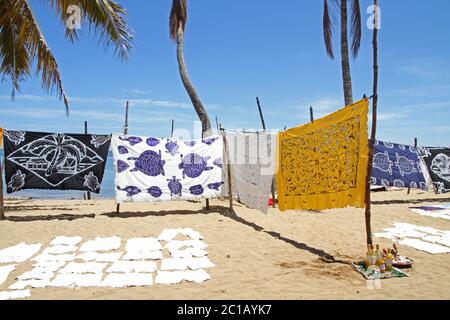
(173,126)
(227,159)
(125,132)
(415,146)
(2,204)
(311,113)
(374,124)
(88,194)
(263,124)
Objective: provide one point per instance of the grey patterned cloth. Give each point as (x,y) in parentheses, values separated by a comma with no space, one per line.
(252,162)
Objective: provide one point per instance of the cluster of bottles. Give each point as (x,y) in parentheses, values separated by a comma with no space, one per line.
(380,261)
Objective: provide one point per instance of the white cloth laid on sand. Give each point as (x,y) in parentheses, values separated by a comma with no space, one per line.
(84,267)
(54,257)
(17,294)
(152,169)
(173,277)
(58,249)
(188,253)
(49,265)
(22,284)
(421,238)
(100,257)
(36,274)
(170,234)
(143,244)
(132,266)
(65,241)
(19,253)
(252,164)
(121,280)
(424,246)
(101,244)
(143,255)
(5,271)
(71,280)
(181,264)
(179,244)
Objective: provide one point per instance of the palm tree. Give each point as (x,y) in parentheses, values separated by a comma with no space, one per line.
(355,32)
(177,23)
(22,42)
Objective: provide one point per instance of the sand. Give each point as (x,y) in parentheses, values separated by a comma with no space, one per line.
(290,255)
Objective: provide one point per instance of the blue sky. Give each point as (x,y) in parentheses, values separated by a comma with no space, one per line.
(236,50)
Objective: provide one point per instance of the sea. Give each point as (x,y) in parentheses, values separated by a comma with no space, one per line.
(106,190)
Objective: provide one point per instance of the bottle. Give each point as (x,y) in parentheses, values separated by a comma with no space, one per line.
(372,260)
(368,256)
(379,260)
(389,259)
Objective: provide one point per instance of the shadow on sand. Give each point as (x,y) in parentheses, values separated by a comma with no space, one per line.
(67,217)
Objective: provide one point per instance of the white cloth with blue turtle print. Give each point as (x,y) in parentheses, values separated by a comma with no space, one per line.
(153,169)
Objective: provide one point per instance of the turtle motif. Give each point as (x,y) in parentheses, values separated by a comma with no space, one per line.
(155,191)
(122,166)
(399,183)
(385,183)
(210,141)
(98,141)
(441,166)
(401,147)
(122,149)
(172,147)
(193,165)
(413,184)
(190,143)
(218,162)
(17,181)
(405,165)
(381,161)
(215,185)
(196,190)
(373,180)
(388,145)
(91,182)
(149,163)
(131,140)
(130,190)
(152,142)
(175,186)
(15,136)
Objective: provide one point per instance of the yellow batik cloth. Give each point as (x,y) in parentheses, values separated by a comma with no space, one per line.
(1,136)
(323,164)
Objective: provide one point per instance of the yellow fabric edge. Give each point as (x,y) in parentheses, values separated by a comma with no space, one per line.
(321,202)
(1,136)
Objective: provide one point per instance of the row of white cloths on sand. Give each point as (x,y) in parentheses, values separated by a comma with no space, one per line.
(103,262)
(251,156)
(152,169)
(426,239)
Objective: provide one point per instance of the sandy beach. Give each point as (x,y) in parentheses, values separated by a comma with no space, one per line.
(291,255)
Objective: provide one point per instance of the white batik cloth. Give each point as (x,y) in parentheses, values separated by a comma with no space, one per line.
(152,169)
(252,162)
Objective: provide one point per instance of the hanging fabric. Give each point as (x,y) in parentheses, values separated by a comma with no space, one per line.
(252,165)
(323,164)
(152,169)
(58,161)
(437,161)
(396,165)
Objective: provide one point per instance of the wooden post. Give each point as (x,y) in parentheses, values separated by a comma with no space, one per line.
(311,113)
(415,146)
(173,125)
(263,124)
(227,159)
(88,194)
(2,204)
(374,124)
(125,132)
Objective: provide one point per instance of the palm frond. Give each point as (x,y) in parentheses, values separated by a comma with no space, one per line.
(178,17)
(356,27)
(106,18)
(327,29)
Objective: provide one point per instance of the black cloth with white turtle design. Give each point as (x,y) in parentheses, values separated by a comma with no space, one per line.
(437,161)
(396,165)
(153,169)
(58,161)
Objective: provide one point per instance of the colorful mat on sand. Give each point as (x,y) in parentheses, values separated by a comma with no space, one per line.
(436,211)
(323,164)
(372,275)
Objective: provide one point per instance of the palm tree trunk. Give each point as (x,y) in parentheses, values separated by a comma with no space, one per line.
(196,102)
(2,208)
(346,76)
